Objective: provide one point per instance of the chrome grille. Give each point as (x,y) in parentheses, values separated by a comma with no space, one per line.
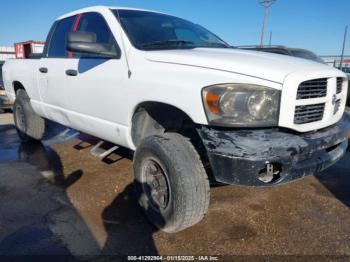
(339,85)
(312,89)
(308,113)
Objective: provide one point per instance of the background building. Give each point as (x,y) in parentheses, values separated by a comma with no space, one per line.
(25,49)
(335,60)
(7,52)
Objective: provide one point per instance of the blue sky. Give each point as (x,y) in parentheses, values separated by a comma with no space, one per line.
(317,25)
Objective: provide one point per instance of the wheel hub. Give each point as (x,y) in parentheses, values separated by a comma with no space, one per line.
(157,188)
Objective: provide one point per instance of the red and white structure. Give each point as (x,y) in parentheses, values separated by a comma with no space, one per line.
(25,49)
(7,52)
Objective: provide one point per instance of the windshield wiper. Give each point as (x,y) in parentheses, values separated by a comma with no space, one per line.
(214,44)
(168,43)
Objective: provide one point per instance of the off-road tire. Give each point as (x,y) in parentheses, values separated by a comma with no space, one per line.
(29,125)
(186,178)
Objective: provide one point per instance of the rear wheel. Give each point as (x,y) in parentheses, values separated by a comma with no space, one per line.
(29,125)
(171,182)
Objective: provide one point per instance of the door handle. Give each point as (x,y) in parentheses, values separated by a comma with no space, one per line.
(43,70)
(71,72)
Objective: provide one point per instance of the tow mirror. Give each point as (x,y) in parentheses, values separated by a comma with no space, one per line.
(85,42)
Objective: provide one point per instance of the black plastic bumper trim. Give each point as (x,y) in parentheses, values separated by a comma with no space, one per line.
(237,156)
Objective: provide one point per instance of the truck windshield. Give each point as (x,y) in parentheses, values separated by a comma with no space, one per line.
(307,55)
(153,31)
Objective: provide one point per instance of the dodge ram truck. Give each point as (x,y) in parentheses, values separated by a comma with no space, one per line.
(191,108)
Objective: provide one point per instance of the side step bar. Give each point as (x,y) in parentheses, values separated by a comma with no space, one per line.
(101,153)
(63,136)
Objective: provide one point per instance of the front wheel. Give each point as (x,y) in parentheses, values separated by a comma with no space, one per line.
(171,182)
(29,125)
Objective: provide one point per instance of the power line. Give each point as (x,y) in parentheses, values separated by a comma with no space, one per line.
(266,4)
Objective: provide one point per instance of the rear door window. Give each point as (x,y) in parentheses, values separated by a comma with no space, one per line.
(1,82)
(58,42)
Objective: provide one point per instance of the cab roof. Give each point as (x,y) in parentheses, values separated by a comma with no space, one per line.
(101,8)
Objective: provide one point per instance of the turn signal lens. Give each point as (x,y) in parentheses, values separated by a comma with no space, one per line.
(212,101)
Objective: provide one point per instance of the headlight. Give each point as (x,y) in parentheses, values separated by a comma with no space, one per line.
(2,92)
(241,105)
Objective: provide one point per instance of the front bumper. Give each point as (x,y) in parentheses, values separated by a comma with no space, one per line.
(237,156)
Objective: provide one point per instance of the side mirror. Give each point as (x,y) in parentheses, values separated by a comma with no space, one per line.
(84,42)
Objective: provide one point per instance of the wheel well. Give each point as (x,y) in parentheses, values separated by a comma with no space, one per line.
(17,85)
(153,118)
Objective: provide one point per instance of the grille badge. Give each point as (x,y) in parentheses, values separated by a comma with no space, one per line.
(334,99)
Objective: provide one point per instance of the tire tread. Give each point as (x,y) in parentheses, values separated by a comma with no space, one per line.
(192,203)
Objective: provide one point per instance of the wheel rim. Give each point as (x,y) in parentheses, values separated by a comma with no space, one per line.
(20,119)
(156,185)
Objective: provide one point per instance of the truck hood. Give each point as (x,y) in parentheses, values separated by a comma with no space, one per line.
(268,66)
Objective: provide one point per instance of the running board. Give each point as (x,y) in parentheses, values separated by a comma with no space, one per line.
(101,153)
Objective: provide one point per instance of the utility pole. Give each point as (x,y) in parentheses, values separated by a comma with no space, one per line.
(342,52)
(270,41)
(266,4)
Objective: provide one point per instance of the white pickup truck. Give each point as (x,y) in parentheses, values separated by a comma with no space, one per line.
(192,108)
